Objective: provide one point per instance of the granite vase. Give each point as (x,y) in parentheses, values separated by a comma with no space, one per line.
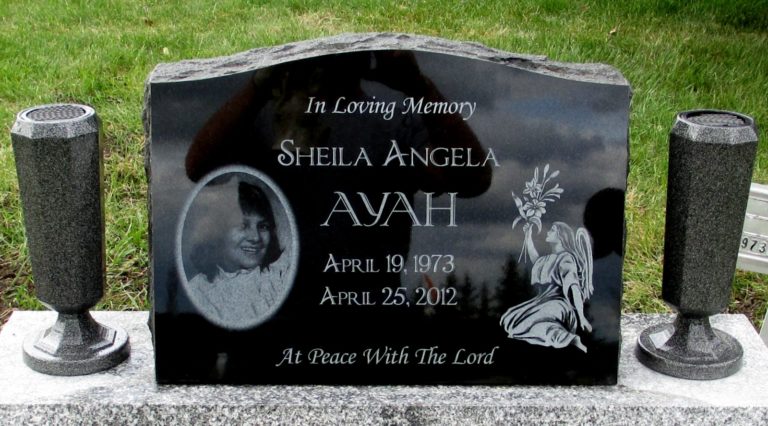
(711,154)
(59,165)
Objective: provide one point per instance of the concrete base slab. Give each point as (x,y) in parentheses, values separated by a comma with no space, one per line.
(128,394)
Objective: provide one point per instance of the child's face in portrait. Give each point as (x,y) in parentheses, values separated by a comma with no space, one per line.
(247,242)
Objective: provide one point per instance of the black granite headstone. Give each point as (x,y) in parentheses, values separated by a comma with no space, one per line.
(382,208)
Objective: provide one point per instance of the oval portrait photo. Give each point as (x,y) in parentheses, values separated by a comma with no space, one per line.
(237,247)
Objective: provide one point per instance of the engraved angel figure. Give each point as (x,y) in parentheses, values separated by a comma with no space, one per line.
(556,314)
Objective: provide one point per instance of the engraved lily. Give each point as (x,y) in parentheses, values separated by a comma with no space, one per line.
(532,206)
(532,187)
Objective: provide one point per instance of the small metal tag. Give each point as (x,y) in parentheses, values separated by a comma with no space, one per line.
(753,247)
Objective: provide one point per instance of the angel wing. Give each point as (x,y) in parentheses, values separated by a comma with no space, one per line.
(584,258)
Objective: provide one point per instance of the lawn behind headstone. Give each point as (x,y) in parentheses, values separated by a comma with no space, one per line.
(677,57)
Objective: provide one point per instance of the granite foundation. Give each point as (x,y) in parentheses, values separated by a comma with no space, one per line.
(128,393)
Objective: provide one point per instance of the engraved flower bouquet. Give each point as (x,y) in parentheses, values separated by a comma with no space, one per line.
(533,204)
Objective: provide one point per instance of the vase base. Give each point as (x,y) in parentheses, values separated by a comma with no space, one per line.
(76,345)
(690,350)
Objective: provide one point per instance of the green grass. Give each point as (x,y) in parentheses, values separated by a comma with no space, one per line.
(677,57)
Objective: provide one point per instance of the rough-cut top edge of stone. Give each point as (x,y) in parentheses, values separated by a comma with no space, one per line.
(197,69)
